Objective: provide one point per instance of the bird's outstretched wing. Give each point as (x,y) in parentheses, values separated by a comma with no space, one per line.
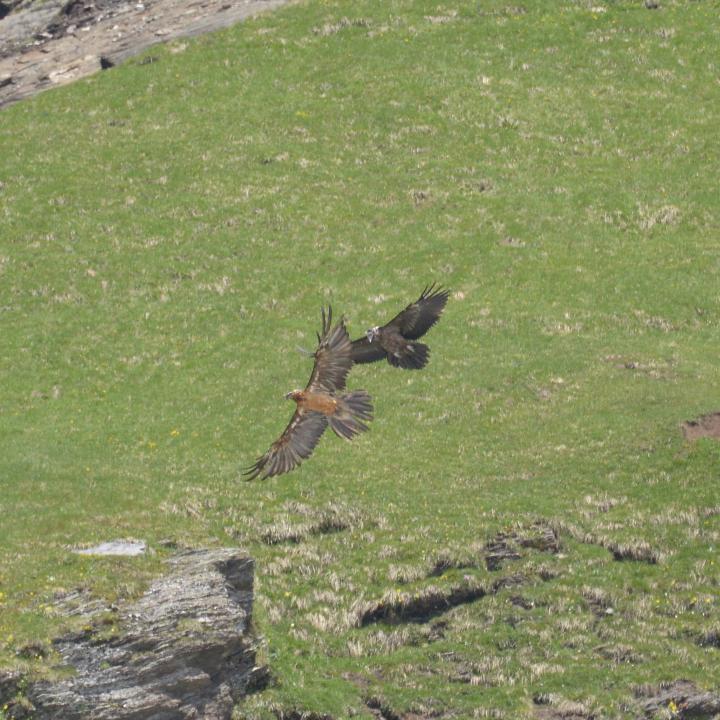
(295,445)
(333,357)
(364,351)
(418,317)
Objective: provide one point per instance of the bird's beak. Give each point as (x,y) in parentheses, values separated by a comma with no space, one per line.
(287,395)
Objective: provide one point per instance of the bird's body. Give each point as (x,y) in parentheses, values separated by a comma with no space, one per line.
(320,404)
(400,351)
(397,341)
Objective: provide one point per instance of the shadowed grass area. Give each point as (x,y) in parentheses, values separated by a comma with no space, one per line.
(168,233)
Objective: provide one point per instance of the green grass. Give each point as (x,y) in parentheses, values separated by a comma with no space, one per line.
(168,233)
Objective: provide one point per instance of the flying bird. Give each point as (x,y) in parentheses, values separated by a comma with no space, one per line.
(320,404)
(396,340)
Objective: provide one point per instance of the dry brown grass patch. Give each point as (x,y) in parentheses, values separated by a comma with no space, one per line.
(336,517)
(619,654)
(331,28)
(550,706)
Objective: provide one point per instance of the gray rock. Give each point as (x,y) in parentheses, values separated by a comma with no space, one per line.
(116,547)
(23,22)
(689,700)
(10,682)
(45,43)
(182,651)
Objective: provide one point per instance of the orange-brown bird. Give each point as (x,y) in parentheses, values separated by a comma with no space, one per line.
(318,405)
(396,340)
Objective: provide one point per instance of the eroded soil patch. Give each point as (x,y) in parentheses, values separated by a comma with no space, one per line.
(498,550)
(630,550)
(706,426)
(504,546)
(424,605)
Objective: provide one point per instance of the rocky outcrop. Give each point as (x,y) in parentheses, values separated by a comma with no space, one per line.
(182,651)
(679,699)
(45,43)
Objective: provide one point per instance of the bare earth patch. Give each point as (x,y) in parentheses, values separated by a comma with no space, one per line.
(426,604)
(45,44)
(707,426)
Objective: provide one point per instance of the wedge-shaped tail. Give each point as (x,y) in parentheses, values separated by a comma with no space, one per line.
(414,356)
(352,409)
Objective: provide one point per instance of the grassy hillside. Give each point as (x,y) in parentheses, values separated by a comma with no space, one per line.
(524,523)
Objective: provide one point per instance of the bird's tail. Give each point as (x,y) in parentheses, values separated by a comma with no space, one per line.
(352,409)
(414,356)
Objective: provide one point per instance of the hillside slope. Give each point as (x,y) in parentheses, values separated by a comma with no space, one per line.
(525,531)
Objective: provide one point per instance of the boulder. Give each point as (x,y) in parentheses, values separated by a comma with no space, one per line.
(183,650)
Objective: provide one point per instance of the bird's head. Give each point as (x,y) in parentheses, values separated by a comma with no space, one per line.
(293,395)
(372,333)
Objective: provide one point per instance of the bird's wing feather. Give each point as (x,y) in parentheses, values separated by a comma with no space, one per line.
(333,357)
(295,445)
(418,317)
(364,351)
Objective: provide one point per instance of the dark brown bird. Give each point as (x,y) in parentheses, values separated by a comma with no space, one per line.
(396,340)
(318,405)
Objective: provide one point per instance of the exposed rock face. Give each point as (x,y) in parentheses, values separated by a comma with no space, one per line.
(45,43)
(10,682)
(684,700)
(183,650)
